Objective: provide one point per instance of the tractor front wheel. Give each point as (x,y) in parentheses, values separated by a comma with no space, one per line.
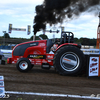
(23,65)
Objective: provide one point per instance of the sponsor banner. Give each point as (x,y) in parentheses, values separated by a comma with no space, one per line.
(2,89)
(1,78)
(37,56)
(6,53)
(91,51)
(19,29)
(1,83)
(94,66)
(3,51)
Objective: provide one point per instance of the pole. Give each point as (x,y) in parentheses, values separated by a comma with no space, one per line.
(4,36)
(98,35)
(99,42)
(62,30)
(33,37)
(99,30)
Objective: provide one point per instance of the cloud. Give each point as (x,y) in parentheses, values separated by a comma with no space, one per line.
(21,13)
(10,7)
(21,2)
(84,26)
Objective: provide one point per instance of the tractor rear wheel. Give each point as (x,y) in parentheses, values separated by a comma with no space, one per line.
(23,65)
(69,60)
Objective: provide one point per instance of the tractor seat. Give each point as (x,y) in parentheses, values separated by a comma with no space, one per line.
(49,45)
(67,38)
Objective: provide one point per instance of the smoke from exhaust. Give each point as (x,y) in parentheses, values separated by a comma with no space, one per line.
(55,11)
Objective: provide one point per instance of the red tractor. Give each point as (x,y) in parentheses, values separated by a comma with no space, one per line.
(67,58)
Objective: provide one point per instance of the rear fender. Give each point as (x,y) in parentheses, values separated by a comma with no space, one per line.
(72,44)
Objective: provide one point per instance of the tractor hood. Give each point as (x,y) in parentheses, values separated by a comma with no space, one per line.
(20,48)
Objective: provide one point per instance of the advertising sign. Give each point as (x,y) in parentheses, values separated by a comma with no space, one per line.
(94,66)
(19,29)
(29,30)
(10,28)
(91,51)
(2,89)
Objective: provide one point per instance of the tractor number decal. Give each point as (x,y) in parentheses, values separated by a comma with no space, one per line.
(37,56)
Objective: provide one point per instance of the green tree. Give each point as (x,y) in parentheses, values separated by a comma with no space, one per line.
(76,40)
(43,36)
(87,41)
(93,41)
(6,35)
(36,38)
(84,41)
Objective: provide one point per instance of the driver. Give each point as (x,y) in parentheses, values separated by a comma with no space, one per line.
(53,49)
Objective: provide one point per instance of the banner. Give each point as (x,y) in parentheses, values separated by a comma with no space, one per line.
(2,89)
(19,29)
(10,28)
(94,66)
(29,30)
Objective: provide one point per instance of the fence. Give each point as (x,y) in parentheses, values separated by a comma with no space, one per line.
(6,47)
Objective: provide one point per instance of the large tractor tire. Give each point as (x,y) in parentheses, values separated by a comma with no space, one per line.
(23,65)
(69,60)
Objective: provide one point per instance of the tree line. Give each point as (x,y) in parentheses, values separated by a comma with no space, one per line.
(86,41)
(82,40)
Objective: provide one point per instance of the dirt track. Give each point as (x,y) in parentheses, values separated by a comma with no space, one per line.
(47,81)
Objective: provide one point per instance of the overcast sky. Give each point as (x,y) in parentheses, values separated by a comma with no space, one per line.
(21,13)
